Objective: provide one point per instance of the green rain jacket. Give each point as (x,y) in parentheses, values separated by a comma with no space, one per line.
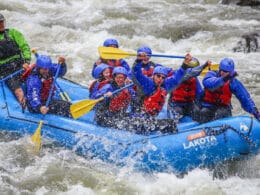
(21,43)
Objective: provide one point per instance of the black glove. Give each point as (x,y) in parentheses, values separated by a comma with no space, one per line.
(205,65)
(184,66)
(257,115)
(231,75)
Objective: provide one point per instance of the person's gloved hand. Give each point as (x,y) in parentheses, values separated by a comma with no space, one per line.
(184,66)
(257,115)
(207,64)
(61,60)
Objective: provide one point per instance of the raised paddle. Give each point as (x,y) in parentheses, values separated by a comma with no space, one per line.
(36,137)
(115,53)
(213,67)
(84,106)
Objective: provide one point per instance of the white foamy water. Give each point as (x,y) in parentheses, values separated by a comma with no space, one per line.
(205,28)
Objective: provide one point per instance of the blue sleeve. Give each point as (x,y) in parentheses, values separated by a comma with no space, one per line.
(33,85)
(145,83)
(173,81)
(132,92)
(243,96)
(63,69)
(92,93)
(126,66)
(199,90)
(106,88)
(193,72)
(93,68)
(211,81)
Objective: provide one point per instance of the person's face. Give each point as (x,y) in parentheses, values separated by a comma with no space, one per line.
(224,73)
(159,79)
(44,72)
(120,79)
(112,46)
(146,59)
(2,25)
(106,73)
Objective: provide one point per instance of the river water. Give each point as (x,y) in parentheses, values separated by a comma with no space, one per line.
(74,29)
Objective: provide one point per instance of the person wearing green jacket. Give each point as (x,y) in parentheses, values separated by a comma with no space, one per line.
(15,54)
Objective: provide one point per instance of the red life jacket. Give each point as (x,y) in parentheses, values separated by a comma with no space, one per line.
(148,72)
(112,64)
(120,101)
(46,86)
(220,96)
(154,103)
(186,92)
(97,85)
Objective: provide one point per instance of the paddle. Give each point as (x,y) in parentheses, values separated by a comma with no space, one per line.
(213,67)
(84,106)
(115,53)
(36,137)
(11,75)
(64,96)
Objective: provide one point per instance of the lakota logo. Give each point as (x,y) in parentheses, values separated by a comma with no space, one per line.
(200,142)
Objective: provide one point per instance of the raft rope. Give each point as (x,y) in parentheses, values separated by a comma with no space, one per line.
(210,131)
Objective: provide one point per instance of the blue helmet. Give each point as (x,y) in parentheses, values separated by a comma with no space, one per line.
(119,70)
(145,49)
(99,69)
(109,42)
(227,64)
(44,61)
(160,70)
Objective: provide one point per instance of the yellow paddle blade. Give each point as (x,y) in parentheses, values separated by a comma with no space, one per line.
(113,53)
(36,138)
(212,67)
(82,107)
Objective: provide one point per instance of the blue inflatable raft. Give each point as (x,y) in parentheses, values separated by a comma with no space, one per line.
(194,146)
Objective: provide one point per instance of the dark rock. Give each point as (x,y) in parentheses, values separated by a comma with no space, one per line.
(242,2)
(249,3)
(249,43)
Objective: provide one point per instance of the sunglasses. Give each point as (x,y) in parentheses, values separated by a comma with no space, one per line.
(160,76)
(120,77)
(112,46)
(224,71)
